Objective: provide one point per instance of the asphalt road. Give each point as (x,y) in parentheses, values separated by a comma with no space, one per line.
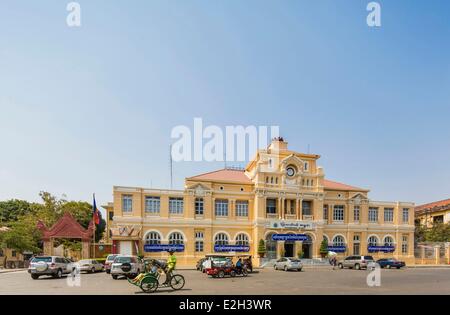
(266,281)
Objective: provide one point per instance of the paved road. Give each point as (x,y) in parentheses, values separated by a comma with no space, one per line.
(266,281)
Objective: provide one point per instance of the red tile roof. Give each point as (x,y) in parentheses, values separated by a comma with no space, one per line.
(239,176)
(328,184)
(224,175)
(437,205)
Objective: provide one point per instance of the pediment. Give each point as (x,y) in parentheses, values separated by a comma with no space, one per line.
(292,160)
(198,189)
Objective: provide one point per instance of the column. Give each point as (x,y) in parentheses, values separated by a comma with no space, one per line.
(297,248)
(283,208)
(330,213)
(436,254)
(300,209)
(85,249)
(280,249)
(447,253)
(297,209)
(279,210)
(232,209)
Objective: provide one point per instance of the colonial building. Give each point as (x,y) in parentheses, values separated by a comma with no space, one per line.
(282,197)
(434,212)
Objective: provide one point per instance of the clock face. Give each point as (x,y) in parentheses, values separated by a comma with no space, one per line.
(290,171)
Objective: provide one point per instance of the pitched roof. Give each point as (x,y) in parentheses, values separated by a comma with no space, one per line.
(437,205)
(231,175)
(328,184)
(234,175)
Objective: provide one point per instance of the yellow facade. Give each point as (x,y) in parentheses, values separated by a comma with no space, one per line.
(431,213)
(279,192)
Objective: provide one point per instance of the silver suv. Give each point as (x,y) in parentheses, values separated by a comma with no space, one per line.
(54,266)
(128,266)
(357,262)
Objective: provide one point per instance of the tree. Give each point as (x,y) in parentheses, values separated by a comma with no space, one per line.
(10,210)
(323,248)
(23,217)
(439,232)
(21,237)
(261,248)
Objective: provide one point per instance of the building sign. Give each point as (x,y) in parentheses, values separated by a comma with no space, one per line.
(385,249)
(337,249)
(290,237)
(284,224)
(164,247)
(231,248)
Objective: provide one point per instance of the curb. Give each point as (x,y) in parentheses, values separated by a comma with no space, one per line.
(11,270)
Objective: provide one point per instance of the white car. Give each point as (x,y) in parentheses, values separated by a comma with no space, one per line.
(287,263)
(89,265)
(126,265)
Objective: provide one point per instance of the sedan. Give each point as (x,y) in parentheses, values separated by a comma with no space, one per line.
(286,263)
(390,263)
(89,265)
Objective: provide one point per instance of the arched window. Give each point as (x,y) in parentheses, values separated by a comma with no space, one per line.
(338,240)
(388,241)
(242,239)
(221,239)
(153,238)
(176,238)
(372,241)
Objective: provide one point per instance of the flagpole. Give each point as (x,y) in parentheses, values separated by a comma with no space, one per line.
(93,221)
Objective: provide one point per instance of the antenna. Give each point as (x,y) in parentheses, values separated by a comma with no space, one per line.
(225,159)
(170,166)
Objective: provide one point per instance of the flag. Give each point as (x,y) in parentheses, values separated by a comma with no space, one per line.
(95,213)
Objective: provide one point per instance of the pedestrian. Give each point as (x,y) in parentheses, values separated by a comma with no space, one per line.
(334,261)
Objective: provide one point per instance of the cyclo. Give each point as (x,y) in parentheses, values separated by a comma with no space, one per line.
(150,281)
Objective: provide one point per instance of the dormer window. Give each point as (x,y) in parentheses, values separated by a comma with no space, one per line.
(270,163)
(306,166)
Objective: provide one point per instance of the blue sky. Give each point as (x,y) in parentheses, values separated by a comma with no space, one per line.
(84,109)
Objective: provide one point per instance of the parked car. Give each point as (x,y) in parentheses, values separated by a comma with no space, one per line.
(357,262)
(54,266)
(126,265)
(287,263)
(89,265)
(390,263)
(109,260)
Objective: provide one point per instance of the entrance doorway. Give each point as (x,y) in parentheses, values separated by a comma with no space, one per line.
(271,247)
(289,249)
(307,248)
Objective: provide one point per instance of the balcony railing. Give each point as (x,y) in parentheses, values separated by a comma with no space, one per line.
(272,215)
(308,217)
(290,216)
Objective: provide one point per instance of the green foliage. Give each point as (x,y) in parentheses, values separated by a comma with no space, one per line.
(22,217)
(11,210)
(300,254)
(323,247)
(261,248)
(439,232)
